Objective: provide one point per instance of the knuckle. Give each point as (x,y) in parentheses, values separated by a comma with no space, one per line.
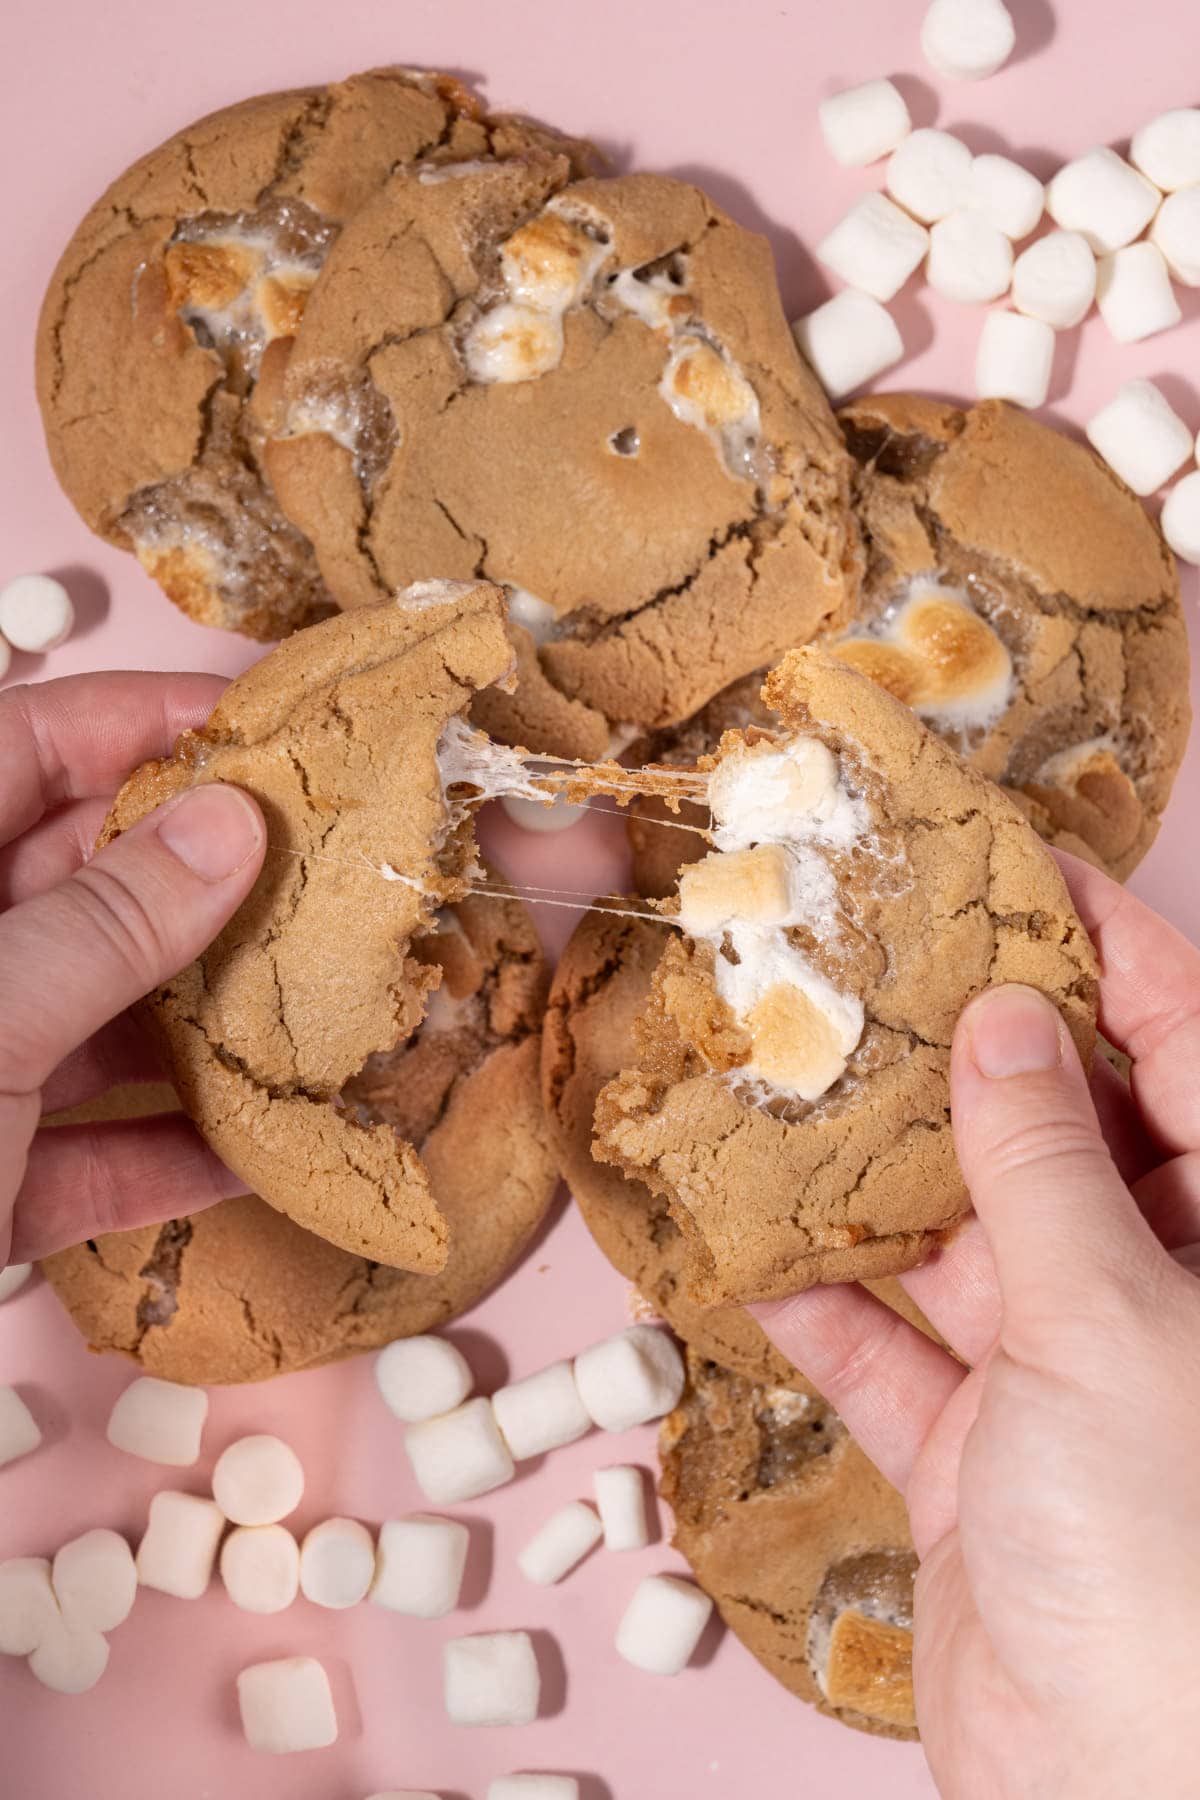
(113,912)
(852,1365)
(1044,1144)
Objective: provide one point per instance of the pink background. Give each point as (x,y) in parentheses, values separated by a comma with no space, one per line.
(727,94)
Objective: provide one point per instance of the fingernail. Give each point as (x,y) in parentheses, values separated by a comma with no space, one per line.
(1013,1030)
(212,830)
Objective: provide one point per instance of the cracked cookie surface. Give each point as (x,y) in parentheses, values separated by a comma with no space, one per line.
(168,322)
(802,1544)
(943,890)
(585,390)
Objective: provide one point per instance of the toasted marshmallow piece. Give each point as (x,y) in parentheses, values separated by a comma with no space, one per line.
(177,1552)
(95,1580)
(765,792)
(420,1377)
(19,1430)
(1014,359)
(533,1787)
(930,175)
(542,1412)
(705,390)
(491,1679)
(70,1658)
(286,1705)
(16,1275)
(1006,194)
(887,664)
(563,1541)
(621,1499)
(875,247)
(260,1566)
(1181,518)
(755,885)
(1134,293)
(847,341)
(161,1421)
(419,1565)
(867,1658)
(28,1609)
(967,40)
(549,262)
(1102,197)
(863,123)
(1055,279)
(1167,150)
(970,259)
(1140,436)
(630,1378)
(36,613)
(459,1455)
(258,1480)
(795,1044)
(1176,231)
(662,1625)
(337,1563)
(968,668)
(513,343)
(535,616)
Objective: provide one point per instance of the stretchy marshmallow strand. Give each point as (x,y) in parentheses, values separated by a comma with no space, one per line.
(258,1481)
(630,1378)
(970,260)
(662,1625)
(1014,360)
(160,1421)
(28,1608)
(419,1565)
(420,1377)
(1134,293)
(533,1787)
(542,1412)
(1055,279)
(491,1679)
(930,175)
(621,1499)
(36,613)
(179,1548)
(1181,518)
(1176,232)
(848,341)
(967,40)
(1008,195)
(563,1541)
(1102,197)
(337,1563)
(260,1566)
(1167,150)
(863,123)
(19,1430)
(874,247)
(16,1275)
(70,1658)
(1140,436)
(459,1455)
(286,1706)
(95,1580)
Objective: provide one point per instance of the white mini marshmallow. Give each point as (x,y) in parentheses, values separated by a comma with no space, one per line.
(1140,436)
(179,1548)
(621,1498)
(1101,196)
(1134,293)
(848,341)
(260,1566)
(491,1679)
(1008,195)
(160,1421)
(542,1412)
(1181,518)
(1055,279)
(874,247)
(459,1455)
(930,175)
(1167,150)
(970,259)
(36,613)
(95,1580)
(863,123)
(1176,231)
(419,1565)
(662,1625)
(629,1378)
(967,40)
(70,1658)
(28,1609)
(17,1274)
(1014,359)
(420,1377)
(563,1541)
(258,1480)
(531,815)
(533,1787)
(19,1430)
(286,1705)
(337,1563)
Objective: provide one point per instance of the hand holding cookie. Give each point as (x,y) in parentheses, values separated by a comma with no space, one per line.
(81,940)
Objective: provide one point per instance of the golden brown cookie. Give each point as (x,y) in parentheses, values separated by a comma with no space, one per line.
(800,1541)
(585,390)
(788,1095)
(1023,600)
(167,325)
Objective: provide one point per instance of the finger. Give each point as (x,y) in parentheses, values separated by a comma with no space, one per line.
(120,1051)
(1121,1126)
(1169,1198)
(932,1492)
(84,1180)
(50,850)
(958,1292)
(81,735)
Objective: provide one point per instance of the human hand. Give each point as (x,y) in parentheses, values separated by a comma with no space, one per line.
(1054,1487)
(83,937)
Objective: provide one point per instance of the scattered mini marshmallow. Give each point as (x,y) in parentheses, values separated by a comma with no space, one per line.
(35,613)
(1104,198)
(1176,231)
(1140,436)
(930,175)
(258,1480)
(16,1275)
(286,1705)
(160,1421)
(459,1455)
(1008,195)
(662,1625)
(967,40)
(260,1566)
(1014,359)
(1134,293)
(621,1498)
(420,1377)
(863,123)
(563,1541)
(1167,150)
(28,1609)
(874,247)
(179,1548)
(1181,518)
(95,1580)
(491,1679)
(19,1430)
(848,341)
(533,1787)
(337,1563)
(542,1412)
(70,1658)
(419,1565)
(531,815)
(970,259)
(629,1378)
(1055,279)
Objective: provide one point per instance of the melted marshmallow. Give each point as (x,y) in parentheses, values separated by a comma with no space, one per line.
(937,654)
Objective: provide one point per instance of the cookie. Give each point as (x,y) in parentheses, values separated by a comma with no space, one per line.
(800,1541)
(1024,602)
(239,1293)
(585,390)
(788,1095)
(169,318)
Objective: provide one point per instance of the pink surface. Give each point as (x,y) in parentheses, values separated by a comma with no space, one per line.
(726,94)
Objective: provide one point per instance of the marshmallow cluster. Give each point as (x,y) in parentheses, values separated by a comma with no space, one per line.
(1141,436)
(57,1615)
(36,614)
